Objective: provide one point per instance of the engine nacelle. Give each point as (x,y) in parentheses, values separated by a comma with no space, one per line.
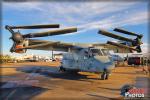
(17,47)
(18,50)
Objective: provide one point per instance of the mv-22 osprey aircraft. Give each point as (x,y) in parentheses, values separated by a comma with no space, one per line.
(92,57)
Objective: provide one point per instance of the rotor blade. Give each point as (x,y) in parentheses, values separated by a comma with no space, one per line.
(35,41)
(38,45)
(35,26)
(127,32)
(120,45)
(51,33)
(9,29)
(114,36)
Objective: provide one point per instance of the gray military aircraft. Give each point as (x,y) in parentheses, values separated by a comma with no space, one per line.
(92,57)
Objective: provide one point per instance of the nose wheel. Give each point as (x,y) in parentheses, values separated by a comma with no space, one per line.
(105,75)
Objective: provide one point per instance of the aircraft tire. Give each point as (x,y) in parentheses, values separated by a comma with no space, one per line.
(62,69)
(104,76)
(107,75)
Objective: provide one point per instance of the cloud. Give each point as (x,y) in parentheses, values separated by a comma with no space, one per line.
(69,13)
(86,15)
(145,48)
(22,6)
(116,21)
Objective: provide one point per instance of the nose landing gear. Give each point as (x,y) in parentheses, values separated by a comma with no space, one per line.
(105,75)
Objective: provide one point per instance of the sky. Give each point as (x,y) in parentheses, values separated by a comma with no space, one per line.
(88,17)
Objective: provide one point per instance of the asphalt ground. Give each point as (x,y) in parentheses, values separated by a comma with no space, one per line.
(43,81)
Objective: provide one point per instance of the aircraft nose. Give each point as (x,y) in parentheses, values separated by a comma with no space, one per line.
(102,59)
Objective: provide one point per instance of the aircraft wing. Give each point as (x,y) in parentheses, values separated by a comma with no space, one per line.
(49,45)
(116,49)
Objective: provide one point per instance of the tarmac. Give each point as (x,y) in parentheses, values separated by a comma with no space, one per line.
(43,81)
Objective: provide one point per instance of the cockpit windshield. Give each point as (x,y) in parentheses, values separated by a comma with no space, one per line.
(96,52)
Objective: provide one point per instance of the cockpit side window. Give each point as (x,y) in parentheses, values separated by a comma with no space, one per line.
(96,52)
(105,52)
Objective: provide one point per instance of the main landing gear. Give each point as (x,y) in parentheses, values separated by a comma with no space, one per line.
(62,69)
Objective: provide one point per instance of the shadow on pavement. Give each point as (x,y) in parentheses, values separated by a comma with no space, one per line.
(52,72)
(13,91)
